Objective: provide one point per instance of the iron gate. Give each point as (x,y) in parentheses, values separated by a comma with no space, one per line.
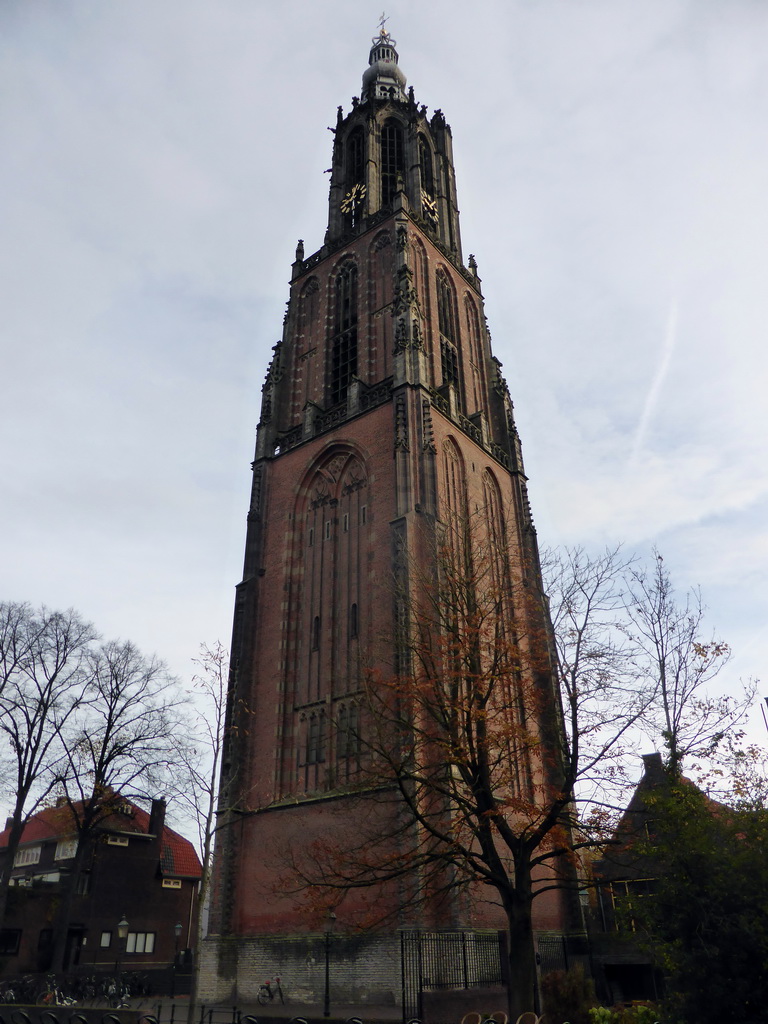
(446,960)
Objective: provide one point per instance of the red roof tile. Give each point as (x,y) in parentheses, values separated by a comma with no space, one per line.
(178,856)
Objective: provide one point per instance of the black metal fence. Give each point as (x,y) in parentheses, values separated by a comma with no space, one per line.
(447,960)
(563,952)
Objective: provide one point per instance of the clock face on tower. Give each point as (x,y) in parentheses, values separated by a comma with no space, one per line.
(353,199)
(429,208)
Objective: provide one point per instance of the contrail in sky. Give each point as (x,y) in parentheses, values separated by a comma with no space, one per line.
(670,340)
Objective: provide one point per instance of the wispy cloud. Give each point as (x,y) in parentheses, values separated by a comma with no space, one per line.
(657,385)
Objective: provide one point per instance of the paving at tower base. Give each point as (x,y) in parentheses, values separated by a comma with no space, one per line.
(386,439)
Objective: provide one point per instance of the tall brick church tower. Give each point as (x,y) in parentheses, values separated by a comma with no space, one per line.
(383,410)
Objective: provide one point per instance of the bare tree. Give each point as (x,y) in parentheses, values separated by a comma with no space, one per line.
(605,693)
(121,744)
(468,738)
(198,765)
(682,658)
(43,684)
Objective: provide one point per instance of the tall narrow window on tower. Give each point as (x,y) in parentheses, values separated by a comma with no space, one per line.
(356,158)
(425,166)
(344,349)
(391,160)
(446,319)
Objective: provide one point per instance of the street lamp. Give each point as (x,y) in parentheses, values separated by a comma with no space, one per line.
(177,933)
(330,921)
(122,935)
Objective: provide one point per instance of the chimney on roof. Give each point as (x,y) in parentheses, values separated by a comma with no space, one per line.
(157,817)
(8,823)
(653,768)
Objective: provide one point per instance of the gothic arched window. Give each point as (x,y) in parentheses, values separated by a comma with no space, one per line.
(391,160)
(308,326)
(315,740)
(425,165)
(475,351)
(356,158)
(348,736)
(494,533)
(344,346)
(328,619)
(454,497)
(446,319)
(353,625)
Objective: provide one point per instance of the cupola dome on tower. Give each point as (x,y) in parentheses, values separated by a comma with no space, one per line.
(383,79)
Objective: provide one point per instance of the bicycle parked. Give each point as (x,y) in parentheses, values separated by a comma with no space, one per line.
(7,993)
(20,991)
(52,995)
(116,993)
(266,993)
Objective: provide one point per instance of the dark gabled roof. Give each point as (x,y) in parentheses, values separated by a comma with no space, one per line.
(178,857)
(621,858)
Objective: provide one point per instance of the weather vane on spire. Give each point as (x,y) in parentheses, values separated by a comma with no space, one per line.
(382,21)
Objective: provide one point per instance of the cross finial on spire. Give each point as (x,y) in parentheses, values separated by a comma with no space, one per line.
(382,21)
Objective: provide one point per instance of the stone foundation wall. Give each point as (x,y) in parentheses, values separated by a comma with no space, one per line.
(364,969)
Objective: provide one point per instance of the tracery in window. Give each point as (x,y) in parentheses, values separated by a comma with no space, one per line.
(355,158)
(445,315)
(420,267)
(494,532)
(425,165)
(306,341)
(446,318)
(391,160)
(344,345)
(455,500)
(475,352)
(328,620)
(449,363)
(315,753)
(348,731)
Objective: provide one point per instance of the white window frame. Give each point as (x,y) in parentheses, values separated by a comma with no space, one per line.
(65,849)
(140,942)
(29,855)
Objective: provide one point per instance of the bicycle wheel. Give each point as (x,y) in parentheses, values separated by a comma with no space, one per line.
(262,997)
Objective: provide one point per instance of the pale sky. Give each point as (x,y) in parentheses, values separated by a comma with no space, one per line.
(160,159)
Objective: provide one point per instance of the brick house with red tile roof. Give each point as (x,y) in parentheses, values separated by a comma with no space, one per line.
(135,867)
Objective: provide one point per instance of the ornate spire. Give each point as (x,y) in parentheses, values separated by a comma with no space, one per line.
(383,79)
